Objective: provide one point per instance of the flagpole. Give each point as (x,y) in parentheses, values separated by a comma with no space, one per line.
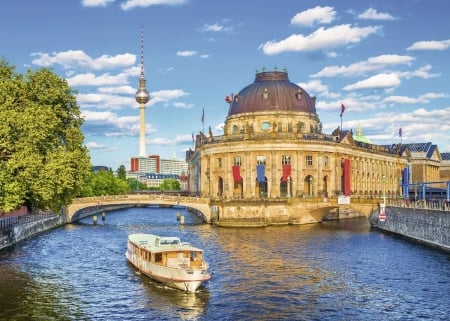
(203,120)
(342,112)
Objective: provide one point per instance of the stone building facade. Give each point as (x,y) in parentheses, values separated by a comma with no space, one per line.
(273,147)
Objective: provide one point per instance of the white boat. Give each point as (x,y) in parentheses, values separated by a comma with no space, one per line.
(168,260)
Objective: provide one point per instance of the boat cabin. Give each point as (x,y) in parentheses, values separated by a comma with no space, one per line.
(168,251)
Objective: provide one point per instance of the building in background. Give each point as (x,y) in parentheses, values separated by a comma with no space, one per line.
(151,164)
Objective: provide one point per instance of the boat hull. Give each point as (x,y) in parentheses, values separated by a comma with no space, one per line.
(188,280)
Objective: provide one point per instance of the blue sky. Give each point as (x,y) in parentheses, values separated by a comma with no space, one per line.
(387,61)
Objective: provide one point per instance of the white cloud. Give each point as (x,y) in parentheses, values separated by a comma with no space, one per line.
(91,79)
(79,59)
(320,39)
(351,105)
(361,67)
(109,124)
(100,147)
(221,26)
(164,96)
(205,56)
(420,73)
(315,87)
(372,14)
(423,99)
(383,80)
(319,15)
(118,90)
(430,45)
(106,101)
(164,141)
(182,105)
(130,4)
(96,3)
(186,53)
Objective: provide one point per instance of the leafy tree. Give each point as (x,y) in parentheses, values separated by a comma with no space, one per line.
(134,184)
(104,183)
(170,184)
(43,162)
(122,173)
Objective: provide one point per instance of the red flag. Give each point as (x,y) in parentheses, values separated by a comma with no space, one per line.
(342,109)
(203,115)
(400,132)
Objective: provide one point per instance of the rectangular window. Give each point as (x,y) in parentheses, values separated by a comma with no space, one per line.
(286,160)
(325,161)
(309,161)
(260,160)
(219,162)
(290,128)
(237,161)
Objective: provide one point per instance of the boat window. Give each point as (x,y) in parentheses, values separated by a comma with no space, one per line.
(158,257)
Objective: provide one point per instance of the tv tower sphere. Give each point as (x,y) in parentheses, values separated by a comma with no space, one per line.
(142,96)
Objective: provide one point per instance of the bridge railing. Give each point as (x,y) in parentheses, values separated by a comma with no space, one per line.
(433,204)
(8,222)
(137,197)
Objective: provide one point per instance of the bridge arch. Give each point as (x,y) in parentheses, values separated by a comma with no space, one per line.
(86,207)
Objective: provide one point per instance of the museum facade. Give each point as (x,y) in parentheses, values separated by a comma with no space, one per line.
(273,147)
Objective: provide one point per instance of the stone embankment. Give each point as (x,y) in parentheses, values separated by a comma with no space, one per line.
(16,228)
(424,224)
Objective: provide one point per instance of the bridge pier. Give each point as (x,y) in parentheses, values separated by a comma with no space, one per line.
(248,212)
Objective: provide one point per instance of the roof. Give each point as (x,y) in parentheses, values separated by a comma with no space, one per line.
(271,91)
(445,156)
(427,148)
(157,243)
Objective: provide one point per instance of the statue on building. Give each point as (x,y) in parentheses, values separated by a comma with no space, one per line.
(210,133)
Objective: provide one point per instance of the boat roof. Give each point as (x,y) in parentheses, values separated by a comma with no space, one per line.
(157,243)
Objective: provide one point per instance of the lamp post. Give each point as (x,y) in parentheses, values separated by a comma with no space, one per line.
(310,186)
(384,189)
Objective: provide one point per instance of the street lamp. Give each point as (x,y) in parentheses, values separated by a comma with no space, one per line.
(310,186)
(384,189)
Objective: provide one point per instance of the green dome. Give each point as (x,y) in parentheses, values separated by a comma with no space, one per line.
(360,137)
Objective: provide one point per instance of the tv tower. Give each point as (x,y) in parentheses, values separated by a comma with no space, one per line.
(142,97)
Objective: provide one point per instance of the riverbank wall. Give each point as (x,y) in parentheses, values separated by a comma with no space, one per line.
(428,226)
(27,226)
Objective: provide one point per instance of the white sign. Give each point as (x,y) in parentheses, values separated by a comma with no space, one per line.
(344,200)
(382,215)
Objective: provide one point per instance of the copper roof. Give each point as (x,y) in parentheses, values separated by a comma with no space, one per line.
(272,91)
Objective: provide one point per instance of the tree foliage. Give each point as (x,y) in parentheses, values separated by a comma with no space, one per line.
(104,183)
(43,162)
(122,172)
(170,184)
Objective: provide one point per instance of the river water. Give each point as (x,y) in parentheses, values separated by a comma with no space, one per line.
(335,271)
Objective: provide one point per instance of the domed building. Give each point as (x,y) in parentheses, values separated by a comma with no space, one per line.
(273,157)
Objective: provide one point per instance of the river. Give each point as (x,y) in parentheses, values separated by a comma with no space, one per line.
(335,271)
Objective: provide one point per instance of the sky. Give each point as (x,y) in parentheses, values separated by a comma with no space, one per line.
(387,62)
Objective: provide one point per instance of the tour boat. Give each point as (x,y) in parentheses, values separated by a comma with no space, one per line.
(168,260)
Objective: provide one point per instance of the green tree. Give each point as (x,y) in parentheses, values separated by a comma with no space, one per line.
(104,183)
(170,184)
(122,173)
(43,162)
(135,184)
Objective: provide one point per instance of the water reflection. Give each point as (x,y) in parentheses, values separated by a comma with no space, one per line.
(23,297)
(332,271)
(187,306)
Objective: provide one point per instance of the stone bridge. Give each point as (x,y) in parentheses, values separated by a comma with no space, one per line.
(234,212)
(88,206)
